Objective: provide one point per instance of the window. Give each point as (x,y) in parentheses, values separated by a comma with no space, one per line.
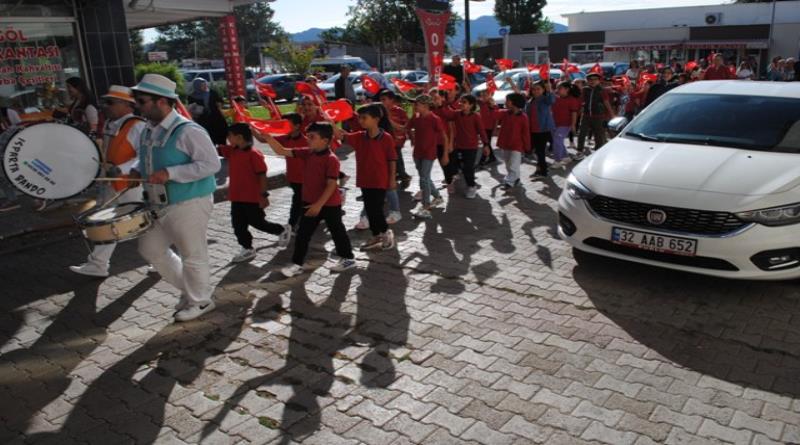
(586,52)
(536,54)
(36,8)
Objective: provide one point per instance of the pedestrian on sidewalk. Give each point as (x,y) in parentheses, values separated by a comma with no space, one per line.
(399,119)
(468,132)
(488,111)
(565,116)
(294,165)
(248,193)
(596,111)
(539,110)
(425,129)
(444,152)
(513,138)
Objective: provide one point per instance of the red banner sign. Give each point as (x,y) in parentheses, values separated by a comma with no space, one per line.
(234,71)
(434,27)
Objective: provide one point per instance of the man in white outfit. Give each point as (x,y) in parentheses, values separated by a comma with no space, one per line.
(178,161)
(121,137)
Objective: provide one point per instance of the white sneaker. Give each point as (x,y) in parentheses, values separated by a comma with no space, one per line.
(372,243)
(343,265)
(292,271)
(388,240)
(150,269)
(194,311)
(90,269)
(418,196)
(244,255)
(436,202)
(472,192)
(393,217)
(363,224)
(285,236)
(423,214)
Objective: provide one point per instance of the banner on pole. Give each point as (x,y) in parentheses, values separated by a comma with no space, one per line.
(434,28)
(234,71)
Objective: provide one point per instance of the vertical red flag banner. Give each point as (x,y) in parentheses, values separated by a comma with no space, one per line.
(434,28)
(234,71)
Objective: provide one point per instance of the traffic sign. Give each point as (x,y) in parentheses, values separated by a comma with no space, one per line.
(503,32)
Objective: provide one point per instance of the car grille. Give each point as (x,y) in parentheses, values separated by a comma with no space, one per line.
(700,222)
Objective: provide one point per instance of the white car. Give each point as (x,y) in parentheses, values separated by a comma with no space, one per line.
(705,180)
(504,88)
(329,86)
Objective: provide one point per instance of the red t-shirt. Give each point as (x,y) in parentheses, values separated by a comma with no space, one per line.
(468,130)
(244,168)
(372,158)
(514,132)
(427,132)
(488,115)
(320,166)
(721,73)
(446,114)
(399,116)
(294,165)
(563,109)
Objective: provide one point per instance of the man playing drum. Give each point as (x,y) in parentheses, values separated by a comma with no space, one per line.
(121,137)
(178,161)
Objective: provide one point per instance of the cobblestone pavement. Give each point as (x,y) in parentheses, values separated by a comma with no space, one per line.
(481,327)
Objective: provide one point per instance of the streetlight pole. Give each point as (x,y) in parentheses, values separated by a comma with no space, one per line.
(467,49)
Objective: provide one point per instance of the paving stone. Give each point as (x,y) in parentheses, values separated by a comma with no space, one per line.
(654,431)
(367,433)
(527,430)
(587,410)
(688,423)
(771,429)
(561,403)
(608,382)
(709,428)
(598,431)
(415,430)
(481,433)
(372,412)
(571,424)
(455,424)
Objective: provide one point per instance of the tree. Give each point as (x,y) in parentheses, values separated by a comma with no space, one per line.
(137,46)
(293,58)
(521,16)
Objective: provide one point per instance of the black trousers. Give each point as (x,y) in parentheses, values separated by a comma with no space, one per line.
(297,204)
(373,206)
(539,141)
(464,160)
(249,214)
(401,164)
(448,169)
(595,127)
(308,225)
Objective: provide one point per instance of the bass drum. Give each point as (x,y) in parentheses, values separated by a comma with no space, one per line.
(50,161)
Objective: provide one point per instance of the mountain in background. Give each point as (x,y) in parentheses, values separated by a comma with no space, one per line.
(482,27)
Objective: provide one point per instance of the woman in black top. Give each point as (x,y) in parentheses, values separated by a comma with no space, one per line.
(206,108)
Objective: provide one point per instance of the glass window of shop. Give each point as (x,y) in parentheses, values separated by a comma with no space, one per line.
(586,52)
(36,8)
(35,60)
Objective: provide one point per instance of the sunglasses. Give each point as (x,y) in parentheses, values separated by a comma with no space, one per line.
(142,100)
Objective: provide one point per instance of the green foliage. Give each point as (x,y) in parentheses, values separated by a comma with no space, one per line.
(137,46)
(168,70)
(521,16)
(293,58)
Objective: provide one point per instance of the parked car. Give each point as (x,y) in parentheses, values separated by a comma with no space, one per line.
(519,79)
(329,85)
(283,84)
(704,180)
(499,79)
(216,79)
(333,65)
(407,75)
(610,69)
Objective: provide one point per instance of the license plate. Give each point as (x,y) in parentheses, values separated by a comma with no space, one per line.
(654,242)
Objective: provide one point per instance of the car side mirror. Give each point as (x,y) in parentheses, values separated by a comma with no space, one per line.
(616,125)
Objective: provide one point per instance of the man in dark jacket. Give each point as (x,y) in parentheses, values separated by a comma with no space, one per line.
(666,83)
(343,87)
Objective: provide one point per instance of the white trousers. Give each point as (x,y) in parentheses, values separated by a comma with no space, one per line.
(101,253)
(513,159)
(185,225)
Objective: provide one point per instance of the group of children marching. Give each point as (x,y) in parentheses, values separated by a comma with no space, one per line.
(452,130)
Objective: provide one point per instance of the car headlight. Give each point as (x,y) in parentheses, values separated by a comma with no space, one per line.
(576,190)
(775,216)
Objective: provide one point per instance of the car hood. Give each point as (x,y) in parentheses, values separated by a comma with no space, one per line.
(695,167)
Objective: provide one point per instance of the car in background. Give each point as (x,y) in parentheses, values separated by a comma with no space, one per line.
(408,75)
(610,69)
(499,79)
(283,84)
(330,91)
(533,76)
(216,79)
(712,191)
(333,65)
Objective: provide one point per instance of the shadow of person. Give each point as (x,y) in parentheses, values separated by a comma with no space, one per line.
(42,370)
(730,330)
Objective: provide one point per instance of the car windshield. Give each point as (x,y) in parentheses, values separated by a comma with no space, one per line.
(737,121)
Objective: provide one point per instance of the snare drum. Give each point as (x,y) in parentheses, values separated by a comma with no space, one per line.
(115,224)
(50,161)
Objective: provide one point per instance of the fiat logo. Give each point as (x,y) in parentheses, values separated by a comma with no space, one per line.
(656,217)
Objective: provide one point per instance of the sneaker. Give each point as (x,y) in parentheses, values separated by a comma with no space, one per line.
(363,224)
(194,311)
(372,243)
(418,196)
(538,176)
(343,265)
(472,192)
(244,255)
(393,217)
(579,156)
(183,303)
(506,186)
(292,271)
(150,269)
(422,214)
(285,236)
(90,269)
(388,240)
(436,202)
(8,206)
(343,180)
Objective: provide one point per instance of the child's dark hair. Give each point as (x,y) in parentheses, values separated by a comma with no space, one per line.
(378,111)
(294,118)
(573,89)
(243,130)
(472,100)
(387,93)
(539,83)
(323,129)
(516,99)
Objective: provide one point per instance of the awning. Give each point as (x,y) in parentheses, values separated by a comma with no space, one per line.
(643,46)
(726,44)
(149,13)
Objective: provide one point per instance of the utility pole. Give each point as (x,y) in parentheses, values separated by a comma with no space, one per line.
(467,46)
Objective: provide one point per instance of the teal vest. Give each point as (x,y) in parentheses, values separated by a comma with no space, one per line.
(166,154)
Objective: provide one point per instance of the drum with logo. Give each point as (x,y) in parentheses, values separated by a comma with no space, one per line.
(50,161)
(116,224)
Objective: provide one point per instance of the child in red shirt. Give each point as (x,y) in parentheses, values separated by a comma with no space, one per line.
(426,129)
(399,119)
(294,165)
(488,110)
(514,137)
(248,191)
(446,114)
(565,115)
(468,131)
(321,197)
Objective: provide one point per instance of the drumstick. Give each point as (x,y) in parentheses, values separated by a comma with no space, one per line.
(120,179)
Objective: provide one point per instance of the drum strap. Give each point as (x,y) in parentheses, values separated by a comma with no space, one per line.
(157,194)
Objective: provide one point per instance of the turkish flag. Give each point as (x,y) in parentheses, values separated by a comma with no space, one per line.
(565,65)
(573,69)
(370,86)
(238,113)
(597,69)
(265,90)
(491,86)
(505,64)
(544,71)
(277,127)
(471,68)
(533,67)
(310,90)
(647,77)
(338,111)
(690,66)
(447,82)
(404,86)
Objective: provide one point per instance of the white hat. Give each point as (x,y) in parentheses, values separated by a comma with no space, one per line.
(156,84)
(120,93)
